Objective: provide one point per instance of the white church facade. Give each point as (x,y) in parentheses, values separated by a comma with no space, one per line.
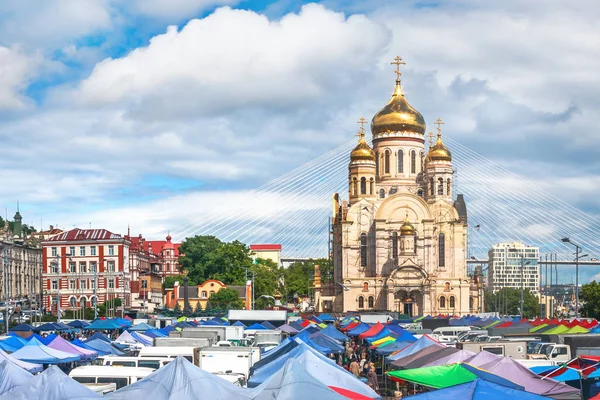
(400,240)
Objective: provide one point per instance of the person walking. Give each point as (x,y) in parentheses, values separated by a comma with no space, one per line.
(355,368)
(372,378)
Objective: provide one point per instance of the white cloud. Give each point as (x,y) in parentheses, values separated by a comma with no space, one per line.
(16,71)
(51,23)
(236,59)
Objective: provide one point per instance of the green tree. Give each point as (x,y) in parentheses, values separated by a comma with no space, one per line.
(169,281)
(206,257)
(508,301)
(268,278)
(177,309)
(590,295)
(299,276)
(224,298)
(198,308)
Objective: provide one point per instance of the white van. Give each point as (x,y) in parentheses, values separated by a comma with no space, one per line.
(450,331)
(120,376)
(168,352)
(145,362)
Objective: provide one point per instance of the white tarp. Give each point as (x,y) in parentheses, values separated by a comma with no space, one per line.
(178,380)
(12,376)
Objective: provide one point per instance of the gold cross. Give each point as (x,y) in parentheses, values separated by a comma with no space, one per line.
(397,62)
(439,124)
(360,134)
(430,139)
(362,121)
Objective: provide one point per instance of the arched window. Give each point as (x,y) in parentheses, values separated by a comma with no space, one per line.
(382,193)
(377,163)
(363,250)
(449,187)
(452,302)
(422,162)
(211,293)
(442,302)
(365,286)
(82,302)
(203,295)
(440,187)
(420,193)
(361,302)
(363,185)
(447,286)
(400,161)
(387,162)
(413,162)
(73,302)
(371,301)
(442,250)
(431,187)
(92,300)
(354,187)
(394,245)
(372,187)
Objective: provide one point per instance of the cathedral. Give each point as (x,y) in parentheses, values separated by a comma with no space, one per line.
(400,240)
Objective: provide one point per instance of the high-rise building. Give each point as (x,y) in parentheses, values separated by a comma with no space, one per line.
(505,262)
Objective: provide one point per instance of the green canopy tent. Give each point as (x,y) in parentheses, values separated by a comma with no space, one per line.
(444,376)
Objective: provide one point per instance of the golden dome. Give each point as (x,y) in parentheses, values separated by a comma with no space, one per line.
(398,115)
(439,152)
(362,151)
(407,229)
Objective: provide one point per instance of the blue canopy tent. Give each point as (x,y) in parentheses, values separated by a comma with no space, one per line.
(143,339)
(102,347)
(35,336)
(142,327)
(239,323)
(77,324)
(304,336)
(479,389)
(14,341)
(316,319)
(263,372)
(33,368)
(296,325)
(383,333)
(48,326)
(98,336)
(326,318)
(325,341)
(4,346)
(48,339)
(22,328)
(392,347)
(423,342)
(103,325)
(37,353)
(357,330)
(79,343)
(310,329)
(256,327)
(334,333)
(285,347)
(267,325)
(11,376)
(153,333)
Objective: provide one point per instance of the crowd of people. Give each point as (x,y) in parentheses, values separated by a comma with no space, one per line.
(357,360)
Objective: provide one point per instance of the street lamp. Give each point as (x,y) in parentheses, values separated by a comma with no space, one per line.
(577,257)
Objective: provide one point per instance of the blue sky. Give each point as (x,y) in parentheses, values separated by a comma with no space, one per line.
(122,112)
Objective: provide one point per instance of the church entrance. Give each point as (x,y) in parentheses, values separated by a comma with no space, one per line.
(408,309)
(408,302)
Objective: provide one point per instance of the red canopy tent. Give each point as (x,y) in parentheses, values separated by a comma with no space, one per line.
(350,326)
(374,330)
(305,323)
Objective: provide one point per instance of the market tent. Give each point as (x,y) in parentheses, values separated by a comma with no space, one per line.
(256,327)
(52,384)
(372,331)
(325,341)
(48,339)
(98,336)
(425,358)
(11,376)
(180,379)
(37,353)
(61,344)
(10,346)
(79,343)
(102,347)
(423,342)
(78,324)
(287,329)
(391,348)
(103,325)
(577,329)
(334,333)
(483,357)
(284,347)
(304,336)
(516,372)
(326,318)
(293,382)
(141,338)
(296,325)
(239,323)
(142,327)
(267,325)
(33,368)
(478,389)
(382,334)
(22,328)
(126,337)
(448,375)
(557,330)
(153,333)
(358,329)
(459,356)
(402,362)
(48,326)
(262,373)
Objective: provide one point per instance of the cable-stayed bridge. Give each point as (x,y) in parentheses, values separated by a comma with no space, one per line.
(294,209)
